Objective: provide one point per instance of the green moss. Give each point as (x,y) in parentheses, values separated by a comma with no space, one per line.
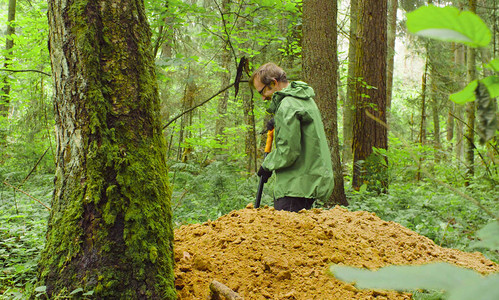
(153,254)
(110,227)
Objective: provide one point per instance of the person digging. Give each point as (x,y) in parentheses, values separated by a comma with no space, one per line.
(300,159)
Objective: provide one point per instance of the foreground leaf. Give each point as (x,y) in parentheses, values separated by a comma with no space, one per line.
(489,237)
(449,24)
(485,289)
(436,276)
(493,65)
(465,95)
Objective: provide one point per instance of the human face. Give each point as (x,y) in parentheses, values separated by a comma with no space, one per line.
(266,90)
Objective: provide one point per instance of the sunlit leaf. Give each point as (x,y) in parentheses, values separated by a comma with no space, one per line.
(76,291)
(492,84)
(465,95)
(493,65)
(449,24)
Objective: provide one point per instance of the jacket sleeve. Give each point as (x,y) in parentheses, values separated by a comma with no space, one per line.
(287,139)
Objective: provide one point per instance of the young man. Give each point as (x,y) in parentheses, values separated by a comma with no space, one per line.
(301,159)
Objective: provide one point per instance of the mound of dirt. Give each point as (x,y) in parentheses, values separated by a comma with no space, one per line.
(268,254)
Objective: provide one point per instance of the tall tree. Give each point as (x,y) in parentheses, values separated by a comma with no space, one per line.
(470,110)
(9,44)
(225,73)
(458,112)
(250,139)
(110,225)
(370,96)
(348,102)
(391,34)
(320,69)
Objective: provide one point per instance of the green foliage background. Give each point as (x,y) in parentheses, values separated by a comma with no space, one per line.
(215,178)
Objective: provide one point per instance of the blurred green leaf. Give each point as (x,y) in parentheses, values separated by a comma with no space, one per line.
(449,24)
(484,289)
(489,237)
(493,65)
(431,276)
(465,95)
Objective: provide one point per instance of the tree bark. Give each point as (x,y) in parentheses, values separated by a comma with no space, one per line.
(470,112)
(110,227)
(9,44)
(348,103)
(250,142)
(422,124)
(459,109)
(370,97)
(320,69)
(224,75)
(391,34)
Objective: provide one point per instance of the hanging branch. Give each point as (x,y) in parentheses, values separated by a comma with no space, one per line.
(26,194)
(17,71)
(243,66)
(33,169)
(198,105)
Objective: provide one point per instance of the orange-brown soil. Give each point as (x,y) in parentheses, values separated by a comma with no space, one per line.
(268,254)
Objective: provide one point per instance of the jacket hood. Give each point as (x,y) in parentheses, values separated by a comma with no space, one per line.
(296,89)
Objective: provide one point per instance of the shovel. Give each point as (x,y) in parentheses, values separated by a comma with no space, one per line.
(268,148)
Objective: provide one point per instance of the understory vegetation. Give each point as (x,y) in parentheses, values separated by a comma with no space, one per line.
(214,147)
(204,193)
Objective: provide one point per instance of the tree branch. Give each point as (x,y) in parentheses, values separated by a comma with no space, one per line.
(26,194)
(17,71)
(198,105)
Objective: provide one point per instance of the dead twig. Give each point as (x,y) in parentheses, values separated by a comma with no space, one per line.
(26,194)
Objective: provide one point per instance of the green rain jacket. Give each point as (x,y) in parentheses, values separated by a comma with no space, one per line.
(301,159)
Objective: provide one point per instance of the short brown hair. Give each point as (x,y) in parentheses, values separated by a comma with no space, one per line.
(267,73)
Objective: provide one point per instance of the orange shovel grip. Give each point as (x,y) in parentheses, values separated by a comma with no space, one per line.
(270,138)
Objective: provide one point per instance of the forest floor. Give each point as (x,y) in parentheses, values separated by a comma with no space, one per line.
(268,254)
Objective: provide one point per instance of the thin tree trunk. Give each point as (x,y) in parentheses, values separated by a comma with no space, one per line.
(422,128)
(225,76)
(348,103)
(110,228)
(250,143)
(391,34)
(9,44)
(436,118)
(459,109)
(320,69)
(470,112)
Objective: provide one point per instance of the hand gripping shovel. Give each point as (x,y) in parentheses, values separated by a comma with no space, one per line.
(268,148)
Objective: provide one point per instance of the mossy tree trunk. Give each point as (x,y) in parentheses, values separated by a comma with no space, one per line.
(320,70)
(110,225)
(370,96)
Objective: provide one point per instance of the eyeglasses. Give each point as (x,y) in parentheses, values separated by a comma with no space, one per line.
(263,89)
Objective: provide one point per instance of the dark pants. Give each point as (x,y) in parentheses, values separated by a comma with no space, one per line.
(294,204)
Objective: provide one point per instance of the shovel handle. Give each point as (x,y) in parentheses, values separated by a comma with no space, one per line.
(270,138)
(268,148)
